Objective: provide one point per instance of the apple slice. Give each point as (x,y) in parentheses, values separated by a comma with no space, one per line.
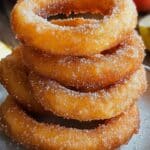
(144,28)
(4,50)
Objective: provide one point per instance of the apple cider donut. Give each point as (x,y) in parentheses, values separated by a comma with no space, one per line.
(86,106)
(42,136)
(88,73)
(82,38)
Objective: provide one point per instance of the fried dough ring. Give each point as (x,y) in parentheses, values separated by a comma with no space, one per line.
(14,77)
(102,104)
(90,73)
(86,38)
(34,135)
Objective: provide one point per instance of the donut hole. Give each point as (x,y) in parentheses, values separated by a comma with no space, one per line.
(68,123)
(79,11)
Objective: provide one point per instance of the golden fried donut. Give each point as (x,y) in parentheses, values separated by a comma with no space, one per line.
(29,22)
(41,136)
(102,104)
(14,77)
(88,73)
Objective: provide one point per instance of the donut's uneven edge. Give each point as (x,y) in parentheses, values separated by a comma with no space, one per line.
(14,77)
(102,104)
(34,135)
(80,40)
(88,73)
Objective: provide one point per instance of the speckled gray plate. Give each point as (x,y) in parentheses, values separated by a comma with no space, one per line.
(141,141)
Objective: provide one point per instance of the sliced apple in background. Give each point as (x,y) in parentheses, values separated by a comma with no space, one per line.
(144,28)
(4,50)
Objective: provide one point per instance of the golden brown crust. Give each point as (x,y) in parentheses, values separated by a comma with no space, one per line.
(105,103)
(88,73)
(86,38)
(101,104)
(14,77)
(87,70)
(34,135)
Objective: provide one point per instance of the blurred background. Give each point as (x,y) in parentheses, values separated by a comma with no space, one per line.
(7,39)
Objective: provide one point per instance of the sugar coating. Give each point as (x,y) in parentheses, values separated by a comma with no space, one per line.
(48,136)
(33,92)
(101,104)
(91,72)
(98,32)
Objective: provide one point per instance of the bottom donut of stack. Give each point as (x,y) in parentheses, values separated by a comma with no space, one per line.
(107,134)
(114,109)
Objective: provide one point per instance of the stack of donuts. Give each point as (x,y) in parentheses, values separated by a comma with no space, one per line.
(74,80)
